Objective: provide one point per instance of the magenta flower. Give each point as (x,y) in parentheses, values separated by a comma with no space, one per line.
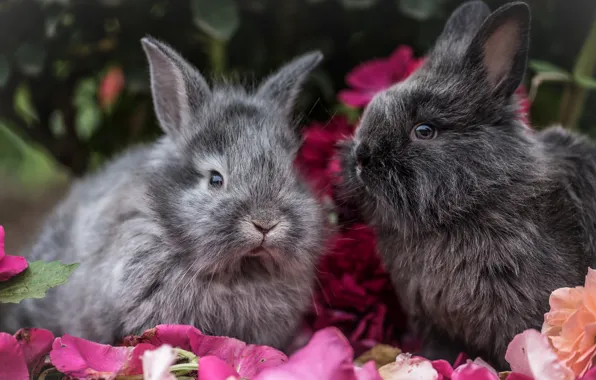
(328,356)
(22,355)
(374,76)
(10,266)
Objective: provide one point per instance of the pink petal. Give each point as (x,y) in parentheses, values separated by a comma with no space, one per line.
(356,98)
(247,360)
(213,368)
(174,335)
(134,365)
(367,372)
(10,266)
(530,354)
(590,375)
(35,345)
(372,75)
(328,356)
(79,357)
(443,368)
(518,376)
(12,360)
(473,371)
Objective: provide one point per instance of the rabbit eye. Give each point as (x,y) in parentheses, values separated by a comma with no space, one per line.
(425,132)
(215,179)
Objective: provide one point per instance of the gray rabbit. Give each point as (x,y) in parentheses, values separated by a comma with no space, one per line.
(478,218)
(209,226)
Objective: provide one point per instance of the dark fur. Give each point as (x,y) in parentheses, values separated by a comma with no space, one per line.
(158,245)
(479,225)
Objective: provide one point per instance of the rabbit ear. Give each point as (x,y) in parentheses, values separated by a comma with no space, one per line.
(462,26)
(501,48)
(177,87)
(284,85)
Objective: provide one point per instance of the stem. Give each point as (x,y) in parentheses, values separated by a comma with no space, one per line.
(184,367)
(572,105)
(217,56)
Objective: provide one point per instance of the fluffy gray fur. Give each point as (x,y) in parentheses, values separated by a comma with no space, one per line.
(158,244)
(480,223)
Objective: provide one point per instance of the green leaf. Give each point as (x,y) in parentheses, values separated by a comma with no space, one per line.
(420,10)
(30,58)
(585,67)
(4,70)
(23,104)
(88,120)
(35,281)
(546,67)
(218,18)
(358,4)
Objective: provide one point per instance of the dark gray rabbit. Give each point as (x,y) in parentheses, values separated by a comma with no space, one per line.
(478,218)
(209,226)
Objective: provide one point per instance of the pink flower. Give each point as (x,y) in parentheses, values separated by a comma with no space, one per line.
(530,354)
(111,86)
(10,266)
(374,76)
(328,356)
(22,355)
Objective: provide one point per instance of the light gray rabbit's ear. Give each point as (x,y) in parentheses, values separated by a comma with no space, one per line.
(283,86)
(500,49)
(461,27)
(178,88)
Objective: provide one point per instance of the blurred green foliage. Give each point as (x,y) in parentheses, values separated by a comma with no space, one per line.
(54,54)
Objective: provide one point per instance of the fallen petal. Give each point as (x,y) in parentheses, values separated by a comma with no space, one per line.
(81,358)
(35,345)
(473,371)
(407,367)
(529,354)
(367,372)
(10,266)
(213,368)
(12,360)
(156,363)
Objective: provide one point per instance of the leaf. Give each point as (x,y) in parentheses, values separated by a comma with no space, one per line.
(420,10)
(585,67)
(88,120)
(35,281)
(546,67)
(4,70)
(358,4)
(218,18)
(23,104)
(30,58)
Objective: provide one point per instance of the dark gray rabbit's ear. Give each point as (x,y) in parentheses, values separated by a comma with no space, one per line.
(500,49)
(284,85)
(461,27)
(177,87)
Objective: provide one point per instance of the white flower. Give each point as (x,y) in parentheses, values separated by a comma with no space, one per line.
(156,363)
(407,368)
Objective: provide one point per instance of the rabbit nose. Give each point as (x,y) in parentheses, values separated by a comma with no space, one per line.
(264,226)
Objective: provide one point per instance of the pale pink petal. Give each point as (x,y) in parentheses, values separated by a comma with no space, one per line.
(247,360)
(35,345)
(590,291)
(530,354)
(474,371)
(213,368)
(407,367)
(482,363)
(367,372)
(12,360)
(10,266)
(80,358)
(156,363)
(328,356)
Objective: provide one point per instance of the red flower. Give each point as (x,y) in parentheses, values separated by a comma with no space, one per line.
(355,293)
(111,86)
(316,157)
(374,76)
